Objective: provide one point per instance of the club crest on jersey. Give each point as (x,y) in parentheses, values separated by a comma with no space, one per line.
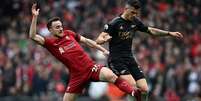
(67,37)
(61,50)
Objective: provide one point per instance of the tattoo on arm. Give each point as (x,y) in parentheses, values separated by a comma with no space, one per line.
(157,32)
(90,42)
(93,44)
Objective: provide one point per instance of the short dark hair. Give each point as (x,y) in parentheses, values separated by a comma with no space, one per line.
(133,3)
(49,23)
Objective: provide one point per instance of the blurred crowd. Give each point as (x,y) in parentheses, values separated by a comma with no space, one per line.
(172,66)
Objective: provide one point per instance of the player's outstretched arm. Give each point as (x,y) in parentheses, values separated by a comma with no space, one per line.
(93,44)
(32,32)
(159,32)
(103,38)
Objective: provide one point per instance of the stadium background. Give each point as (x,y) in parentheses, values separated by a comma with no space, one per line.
(172,67)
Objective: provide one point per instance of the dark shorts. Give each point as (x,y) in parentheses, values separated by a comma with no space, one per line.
(78,83)
(125,66)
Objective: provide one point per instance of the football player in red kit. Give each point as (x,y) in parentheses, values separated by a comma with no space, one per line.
(63,44)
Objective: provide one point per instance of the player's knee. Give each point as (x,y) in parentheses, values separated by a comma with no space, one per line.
(144,89)
(68,99)
(111,77)
(130,80)
(133,83)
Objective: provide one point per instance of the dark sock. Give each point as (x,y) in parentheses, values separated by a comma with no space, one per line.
(144,96)
(137,95)
(140,96)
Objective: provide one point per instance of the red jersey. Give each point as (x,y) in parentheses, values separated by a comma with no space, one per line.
(69,52)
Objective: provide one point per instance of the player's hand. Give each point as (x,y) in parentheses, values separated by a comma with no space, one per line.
(35,11)
(106,53)
(107,37)
(176,34)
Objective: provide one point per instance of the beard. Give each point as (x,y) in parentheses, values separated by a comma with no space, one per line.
(59,34)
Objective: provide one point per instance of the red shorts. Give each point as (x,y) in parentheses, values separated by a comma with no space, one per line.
(77,84)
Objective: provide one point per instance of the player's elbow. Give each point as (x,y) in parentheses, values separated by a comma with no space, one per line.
(99,42)
(31,37)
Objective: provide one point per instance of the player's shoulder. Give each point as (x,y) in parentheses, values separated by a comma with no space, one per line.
(137,20)
(115,21)
(49,40)
(48,37)
(69,32)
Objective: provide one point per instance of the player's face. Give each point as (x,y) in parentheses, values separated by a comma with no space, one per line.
(57,28)
(131,12)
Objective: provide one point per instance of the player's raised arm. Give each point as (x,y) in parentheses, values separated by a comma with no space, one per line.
(32,32)
(159,32)
(93,44)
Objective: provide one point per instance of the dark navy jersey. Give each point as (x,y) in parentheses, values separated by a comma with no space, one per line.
(122,32)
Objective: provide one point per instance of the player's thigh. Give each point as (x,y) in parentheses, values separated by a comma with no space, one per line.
(129,79)
(142,85)
(107,75)
(69,97)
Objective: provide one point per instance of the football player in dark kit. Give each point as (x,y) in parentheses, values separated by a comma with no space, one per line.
(119,33)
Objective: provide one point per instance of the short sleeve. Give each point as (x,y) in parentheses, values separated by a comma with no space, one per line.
(47,41)
(108,28)
(77,37)
(141,27)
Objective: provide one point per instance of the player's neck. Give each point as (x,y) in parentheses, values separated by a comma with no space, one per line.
(58,36)
(125,17)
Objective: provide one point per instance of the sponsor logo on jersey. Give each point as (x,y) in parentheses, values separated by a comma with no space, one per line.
(125,35)
(66,47)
